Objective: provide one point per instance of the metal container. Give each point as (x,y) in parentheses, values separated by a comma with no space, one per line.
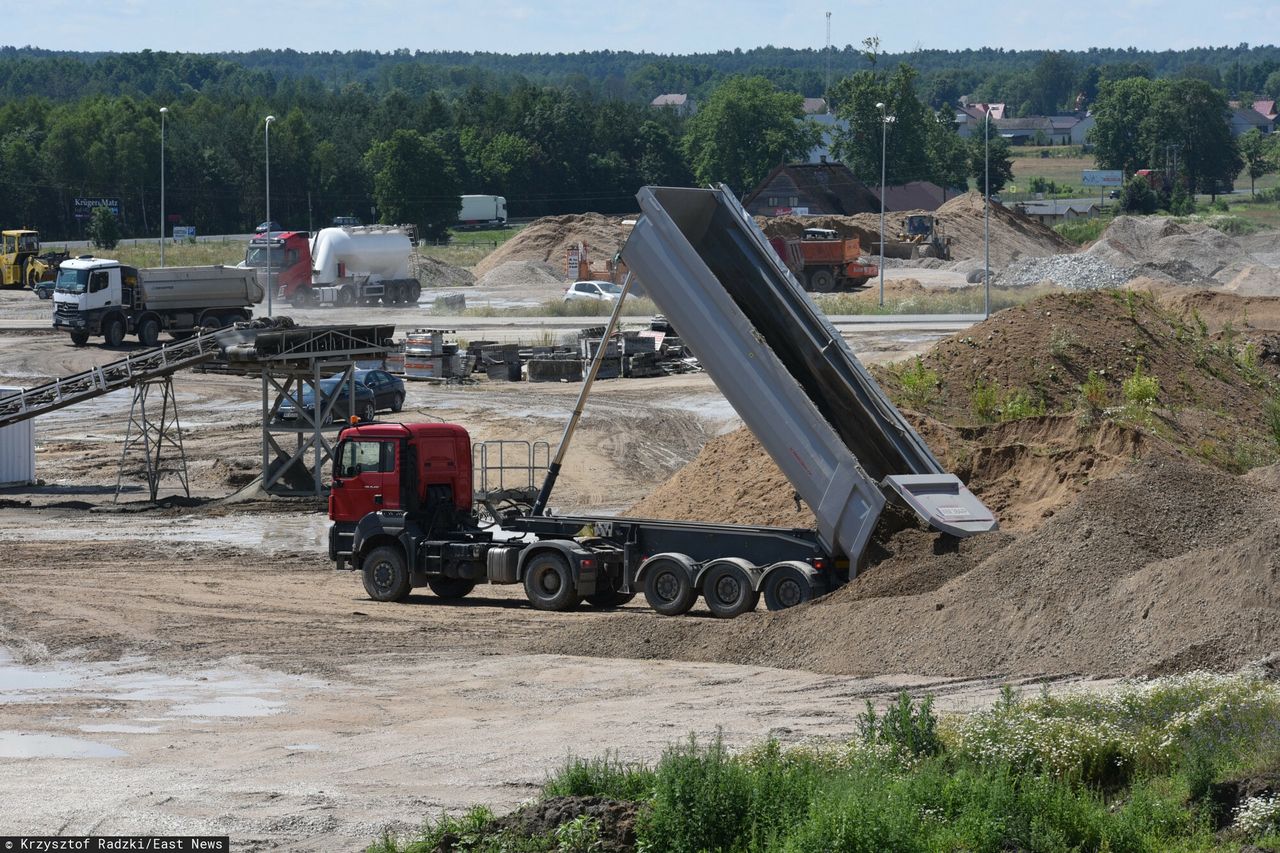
(418,366)
(17,450)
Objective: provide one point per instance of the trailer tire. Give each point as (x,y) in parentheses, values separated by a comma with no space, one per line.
(79,337)
(113,331)
(786,586)
(668,587)
(822,281)
(450,589)
(149,332)
(346,297)
(386,578)
(728,590)
(548,583)
(413,291)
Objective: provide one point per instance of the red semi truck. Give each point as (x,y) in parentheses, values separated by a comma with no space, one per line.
(338,266)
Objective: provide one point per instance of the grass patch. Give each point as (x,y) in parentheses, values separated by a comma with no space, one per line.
(142,253)
(1134,768)
(1081,231)
(967,300)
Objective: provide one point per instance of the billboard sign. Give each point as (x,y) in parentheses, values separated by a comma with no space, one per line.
(84,206)
(1103,178)
(184,232)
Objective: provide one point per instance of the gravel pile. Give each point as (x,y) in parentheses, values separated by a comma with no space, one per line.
(1074,272)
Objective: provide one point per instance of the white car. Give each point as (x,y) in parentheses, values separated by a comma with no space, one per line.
(595,291)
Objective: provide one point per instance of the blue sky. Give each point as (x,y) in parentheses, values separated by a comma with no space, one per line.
(659,26)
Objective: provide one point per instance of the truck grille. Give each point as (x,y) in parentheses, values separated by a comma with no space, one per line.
(63,311)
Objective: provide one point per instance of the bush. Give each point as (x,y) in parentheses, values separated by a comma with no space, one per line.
(919,384)
(1140,389)
(1272,414)
(104,229)
(1138,197)
(907,729)
(601,777)
(1081,231)
(1094,392)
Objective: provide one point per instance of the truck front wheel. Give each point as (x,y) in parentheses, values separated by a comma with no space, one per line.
(822,281)
(548,583)
(113,332)
(79,337)
(385,576)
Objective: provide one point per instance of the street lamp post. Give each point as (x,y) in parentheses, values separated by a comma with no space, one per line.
(884,145)
(164,111)
(986,216)
(266,133)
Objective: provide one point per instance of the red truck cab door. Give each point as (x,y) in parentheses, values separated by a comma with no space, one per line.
(366,478)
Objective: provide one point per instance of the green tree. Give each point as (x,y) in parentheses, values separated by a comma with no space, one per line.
(413,182)
(104,230)
(907,135)
(948,155)
(997,157)
(745,129)
(1118,132)
(1189,116)
(1258,154)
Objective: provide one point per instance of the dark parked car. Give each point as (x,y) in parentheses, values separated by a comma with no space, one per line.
(376,391)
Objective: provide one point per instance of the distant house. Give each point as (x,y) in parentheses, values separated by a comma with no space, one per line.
(1062,127)
(1266,108)
(1054,211)
(815,106)
(821,153)
(1036,130)
(811,189)
(1244,119)
(917,195)
(969,117)
(682,104)
(1080,130)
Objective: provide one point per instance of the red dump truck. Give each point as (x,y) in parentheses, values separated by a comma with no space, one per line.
(822,261)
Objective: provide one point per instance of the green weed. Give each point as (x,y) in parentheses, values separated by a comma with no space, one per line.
(601,777)
(1094,392)
(919,383)
(1140,389)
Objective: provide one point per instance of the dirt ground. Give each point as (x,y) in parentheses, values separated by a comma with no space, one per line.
(202,669)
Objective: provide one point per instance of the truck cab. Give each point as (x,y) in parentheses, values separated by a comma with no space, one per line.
(87,290)
(406,468)
(289,255)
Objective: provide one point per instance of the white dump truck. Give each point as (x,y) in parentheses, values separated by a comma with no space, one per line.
(99,296)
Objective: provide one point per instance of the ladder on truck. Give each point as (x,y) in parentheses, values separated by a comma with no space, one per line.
(134,369)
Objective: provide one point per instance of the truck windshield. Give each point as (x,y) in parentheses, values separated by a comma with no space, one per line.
(257,256)
(71,281)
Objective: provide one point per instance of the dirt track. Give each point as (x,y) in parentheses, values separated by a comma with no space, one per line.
(202,669)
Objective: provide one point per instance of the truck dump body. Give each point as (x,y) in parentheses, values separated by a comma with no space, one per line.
(787,372)
(199,287)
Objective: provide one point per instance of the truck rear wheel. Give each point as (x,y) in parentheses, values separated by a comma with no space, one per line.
(728,591)
(346,297)
(786,587)
(822,281)
(385,576)
(113,331)
(450,588)
(668,587)
(79,337)
(548,583)
(412,291)
(149,332)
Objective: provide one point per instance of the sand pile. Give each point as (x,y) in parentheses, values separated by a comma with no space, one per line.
(1184,252)
(548,240)
(1129,543)
(1169,565)
(1012,234)
(436,273)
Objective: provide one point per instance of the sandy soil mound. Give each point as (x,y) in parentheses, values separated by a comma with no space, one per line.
(1168,565)
(436,273)
(547,240)
(1012,234)
(1184,252)
(1038,355)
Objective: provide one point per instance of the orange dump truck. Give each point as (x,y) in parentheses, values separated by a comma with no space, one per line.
(822,261)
